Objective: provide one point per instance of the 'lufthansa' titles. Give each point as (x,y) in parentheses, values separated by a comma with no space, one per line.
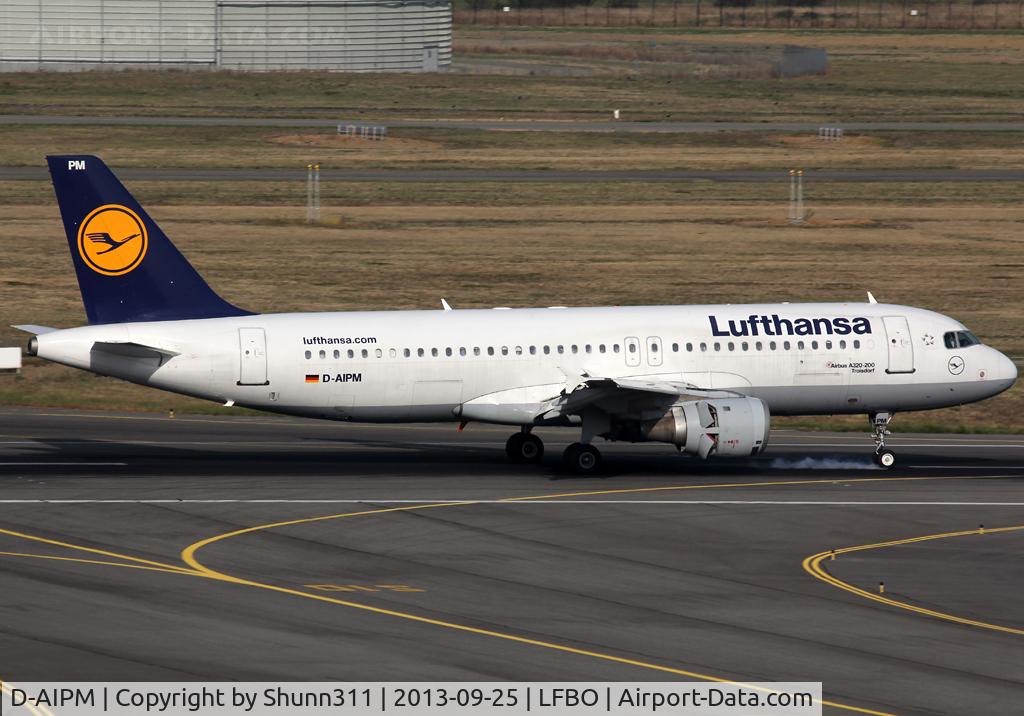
(773,325)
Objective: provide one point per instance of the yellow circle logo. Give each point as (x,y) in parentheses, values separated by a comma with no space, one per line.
(112,240)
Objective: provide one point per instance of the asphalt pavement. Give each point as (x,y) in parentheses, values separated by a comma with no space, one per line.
(140,547)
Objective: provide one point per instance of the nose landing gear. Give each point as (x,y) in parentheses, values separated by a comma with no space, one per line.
(884,457)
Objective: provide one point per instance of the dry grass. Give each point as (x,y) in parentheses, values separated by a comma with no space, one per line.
(965,261)
(408,148)
(890,76)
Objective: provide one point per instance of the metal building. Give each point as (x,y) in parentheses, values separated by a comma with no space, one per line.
(257,35)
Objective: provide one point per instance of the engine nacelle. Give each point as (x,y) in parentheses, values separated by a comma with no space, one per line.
(729,427)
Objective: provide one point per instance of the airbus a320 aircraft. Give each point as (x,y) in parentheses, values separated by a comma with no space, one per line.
(702,378)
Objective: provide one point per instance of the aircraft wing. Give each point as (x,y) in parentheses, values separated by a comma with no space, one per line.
(624,396)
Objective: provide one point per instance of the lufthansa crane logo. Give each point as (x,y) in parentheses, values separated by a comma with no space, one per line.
(112,240)
(956,365)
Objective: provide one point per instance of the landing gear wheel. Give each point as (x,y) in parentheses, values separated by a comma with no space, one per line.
(582,459)
(524,447)
(885,458)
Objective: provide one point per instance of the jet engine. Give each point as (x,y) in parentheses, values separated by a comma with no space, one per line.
(728,427)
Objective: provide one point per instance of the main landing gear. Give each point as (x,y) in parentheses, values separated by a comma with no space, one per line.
(884,457)
(580,458)
(524,447)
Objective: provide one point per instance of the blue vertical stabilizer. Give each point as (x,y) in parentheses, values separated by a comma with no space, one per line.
(128,270)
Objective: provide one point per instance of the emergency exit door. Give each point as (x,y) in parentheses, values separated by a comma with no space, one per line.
(252,351)
(631,346)
(901,348)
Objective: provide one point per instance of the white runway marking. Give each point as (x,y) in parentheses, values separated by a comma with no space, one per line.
(899,445)
(519,502)
(63,464)
(962,467)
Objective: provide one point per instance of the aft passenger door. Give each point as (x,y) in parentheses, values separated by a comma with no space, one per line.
(901,348)
(252,349)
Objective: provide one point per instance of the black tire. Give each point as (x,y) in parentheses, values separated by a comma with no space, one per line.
(885,459)
(582,459)
(514,447)
(531,449)
(524,447)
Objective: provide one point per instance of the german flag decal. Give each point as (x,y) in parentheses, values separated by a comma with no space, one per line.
(310,378)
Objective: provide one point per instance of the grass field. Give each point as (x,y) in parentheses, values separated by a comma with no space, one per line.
(888,75)
(957,248)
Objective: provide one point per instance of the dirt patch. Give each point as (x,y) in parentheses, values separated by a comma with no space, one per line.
(813,142)
(357,144)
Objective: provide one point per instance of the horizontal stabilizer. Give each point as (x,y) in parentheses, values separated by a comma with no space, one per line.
(130,349)
(37,330)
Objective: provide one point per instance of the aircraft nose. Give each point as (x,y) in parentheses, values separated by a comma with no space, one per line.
(1007,369)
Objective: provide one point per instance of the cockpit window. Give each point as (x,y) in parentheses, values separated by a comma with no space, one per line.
(960,339)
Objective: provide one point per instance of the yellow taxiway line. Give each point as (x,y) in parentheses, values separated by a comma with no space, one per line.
(196,568)
(813,565)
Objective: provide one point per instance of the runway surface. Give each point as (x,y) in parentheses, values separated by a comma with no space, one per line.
(541,175)
(567,125)
(141,547)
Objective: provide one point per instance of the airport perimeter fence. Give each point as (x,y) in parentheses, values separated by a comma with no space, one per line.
(802,14)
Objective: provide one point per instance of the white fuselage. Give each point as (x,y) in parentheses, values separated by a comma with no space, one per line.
(494,364)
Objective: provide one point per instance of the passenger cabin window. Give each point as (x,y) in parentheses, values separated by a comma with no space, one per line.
(689,348)
(462,351)
(433,352)
(560,349)
(448,352)
(786,345)
(615,347)
(772,345)
(600,348)
(814,345)
(703,347)
(323,354)
(504,350)
(406,352)
(575,349)
(519,350)
(675,347)
(476,350)
(586,348)
(351,353)
(308,355)
(533,350)
(654,348)
(419,352)
(490,350)
(547,350)
(379,353)
(856,343)
(842,345)
(759,345)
